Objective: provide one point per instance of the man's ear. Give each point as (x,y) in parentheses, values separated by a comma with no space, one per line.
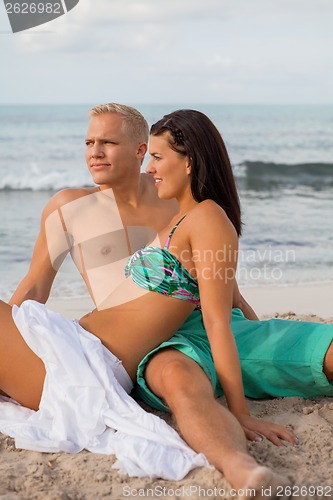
(142,150)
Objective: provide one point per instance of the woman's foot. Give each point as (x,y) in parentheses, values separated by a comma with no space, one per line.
(263,483)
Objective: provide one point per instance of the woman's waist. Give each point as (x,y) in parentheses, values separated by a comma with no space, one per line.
(151,314)
(150,309)
(130,331)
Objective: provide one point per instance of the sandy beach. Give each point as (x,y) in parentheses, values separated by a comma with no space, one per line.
(31,475)
(300,299)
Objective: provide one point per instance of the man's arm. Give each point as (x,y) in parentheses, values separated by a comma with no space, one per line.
(240,303)
(37,283)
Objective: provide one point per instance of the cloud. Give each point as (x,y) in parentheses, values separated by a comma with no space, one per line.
(117,25)
(234,50)
(148,11)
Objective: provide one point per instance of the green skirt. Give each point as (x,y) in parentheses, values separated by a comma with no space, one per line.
(278,357)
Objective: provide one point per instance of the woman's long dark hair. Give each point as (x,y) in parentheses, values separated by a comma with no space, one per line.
(192,134)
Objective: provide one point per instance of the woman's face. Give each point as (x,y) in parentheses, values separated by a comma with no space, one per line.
(170,170)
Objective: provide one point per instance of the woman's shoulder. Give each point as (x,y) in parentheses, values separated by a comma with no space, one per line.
(210,230)
(209,211)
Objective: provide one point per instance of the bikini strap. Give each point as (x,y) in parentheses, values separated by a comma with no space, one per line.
(166,246)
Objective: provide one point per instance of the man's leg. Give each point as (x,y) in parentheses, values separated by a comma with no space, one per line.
(22,372)
(283,357)
(205,425)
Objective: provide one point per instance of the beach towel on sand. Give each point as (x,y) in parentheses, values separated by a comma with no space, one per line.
(83,405)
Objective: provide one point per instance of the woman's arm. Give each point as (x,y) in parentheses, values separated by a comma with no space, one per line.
(214,244)
(215,247)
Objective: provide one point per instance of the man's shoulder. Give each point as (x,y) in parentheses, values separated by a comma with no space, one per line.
(66,196)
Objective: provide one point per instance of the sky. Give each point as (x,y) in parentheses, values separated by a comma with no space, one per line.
(173,51)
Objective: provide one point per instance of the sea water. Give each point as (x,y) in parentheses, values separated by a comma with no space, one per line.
(282,158)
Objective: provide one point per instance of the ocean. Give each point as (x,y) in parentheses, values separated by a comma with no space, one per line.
(282,158)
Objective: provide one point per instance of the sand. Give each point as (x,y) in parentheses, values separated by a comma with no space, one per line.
(300,299)
(31,475)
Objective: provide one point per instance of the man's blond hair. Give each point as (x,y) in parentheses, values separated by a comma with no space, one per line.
(134,122)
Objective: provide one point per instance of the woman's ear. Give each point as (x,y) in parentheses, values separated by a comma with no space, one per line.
(188,167)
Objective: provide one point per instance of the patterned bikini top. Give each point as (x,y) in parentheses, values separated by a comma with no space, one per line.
(157,270)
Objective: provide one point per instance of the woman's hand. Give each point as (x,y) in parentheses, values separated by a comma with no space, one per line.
(255,428)
(240,303)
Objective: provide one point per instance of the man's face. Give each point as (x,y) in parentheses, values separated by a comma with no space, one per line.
(111,153)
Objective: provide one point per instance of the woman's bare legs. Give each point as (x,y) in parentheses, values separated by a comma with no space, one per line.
(207,426)
(22,373)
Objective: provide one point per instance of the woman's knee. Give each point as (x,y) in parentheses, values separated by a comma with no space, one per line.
(163,369)
(177,376)
(6,326)
(5,308)
(22,372)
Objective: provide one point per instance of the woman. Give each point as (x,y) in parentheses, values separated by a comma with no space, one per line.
(162,289)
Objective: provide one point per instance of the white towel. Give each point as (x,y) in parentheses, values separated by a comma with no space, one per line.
(83,405)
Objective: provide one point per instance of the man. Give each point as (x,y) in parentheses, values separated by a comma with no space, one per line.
(101,227)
